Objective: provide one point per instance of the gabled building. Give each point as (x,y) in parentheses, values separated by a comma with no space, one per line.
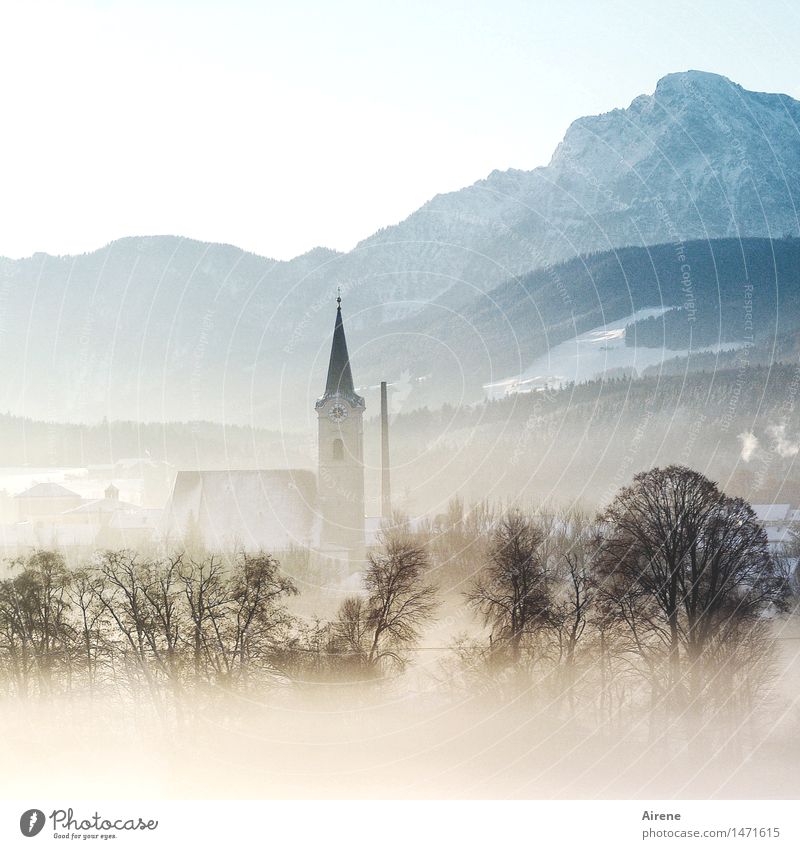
(278,509)
(104,522)
(45,501)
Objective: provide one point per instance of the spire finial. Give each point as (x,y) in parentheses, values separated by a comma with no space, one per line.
(340,377)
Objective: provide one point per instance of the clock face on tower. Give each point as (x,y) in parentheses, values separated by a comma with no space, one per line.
(337,413)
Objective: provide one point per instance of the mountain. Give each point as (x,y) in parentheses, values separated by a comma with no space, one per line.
(699,158)
(167,328)
(158,328)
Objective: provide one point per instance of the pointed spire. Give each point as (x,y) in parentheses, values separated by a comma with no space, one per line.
(340,377)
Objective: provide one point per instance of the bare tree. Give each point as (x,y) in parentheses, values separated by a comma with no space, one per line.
(34,612)
(512,592)
(258,619)
(352,635)
(377,632)
(399,600)
(456,540)
(122,594)
(165,617)
(85,592)
(206,598)
(572,590)
(687,566)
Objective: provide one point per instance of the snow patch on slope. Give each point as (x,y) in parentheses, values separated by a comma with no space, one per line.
(600,352)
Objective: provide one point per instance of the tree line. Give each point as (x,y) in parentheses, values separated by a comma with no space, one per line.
(660,605)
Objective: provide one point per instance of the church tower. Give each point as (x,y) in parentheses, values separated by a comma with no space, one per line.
(341,452)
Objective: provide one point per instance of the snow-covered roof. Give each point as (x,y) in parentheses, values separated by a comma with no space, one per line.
(250,509)
(133,462)
(771,512)
(48,490)
(778,534)
(102,505)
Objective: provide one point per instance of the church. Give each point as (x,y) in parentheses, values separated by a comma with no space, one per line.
(277,510)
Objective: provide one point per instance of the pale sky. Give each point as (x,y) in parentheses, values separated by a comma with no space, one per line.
(279,126)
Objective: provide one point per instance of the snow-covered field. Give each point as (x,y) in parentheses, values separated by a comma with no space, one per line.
(591,355)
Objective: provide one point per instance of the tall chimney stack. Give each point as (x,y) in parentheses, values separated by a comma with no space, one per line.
(386,493)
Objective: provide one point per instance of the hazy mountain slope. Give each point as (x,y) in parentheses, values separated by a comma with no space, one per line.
(725,290)
(145,328)
(169,328)
(584,442)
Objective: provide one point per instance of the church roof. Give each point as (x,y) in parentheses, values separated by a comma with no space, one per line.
(270,509)
(340,377)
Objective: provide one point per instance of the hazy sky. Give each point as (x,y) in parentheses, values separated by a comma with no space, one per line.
(278,126)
